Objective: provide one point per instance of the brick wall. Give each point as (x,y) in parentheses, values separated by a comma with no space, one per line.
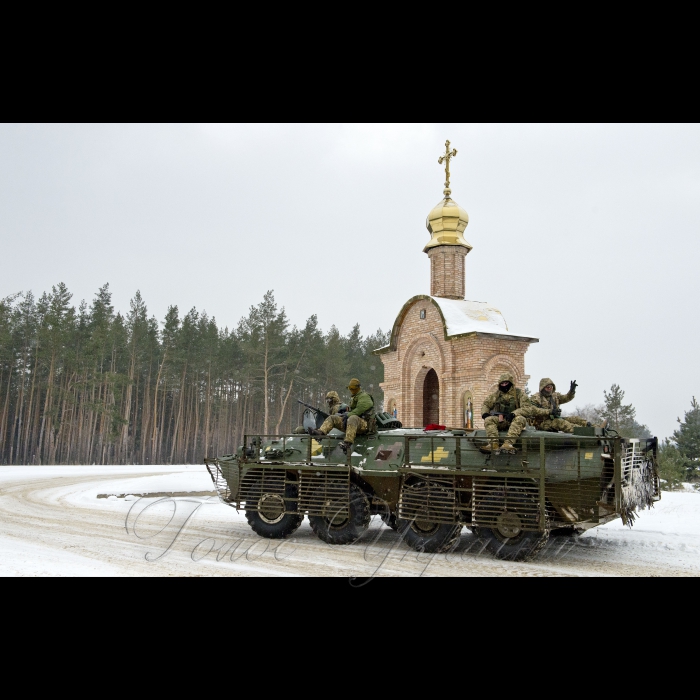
(472,363)
(447,271)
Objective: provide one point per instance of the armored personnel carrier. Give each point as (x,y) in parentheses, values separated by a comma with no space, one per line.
(429,484)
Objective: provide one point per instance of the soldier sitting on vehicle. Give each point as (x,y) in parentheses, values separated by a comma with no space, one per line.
(358,419)
(505,409)
(545,413)
(334,404)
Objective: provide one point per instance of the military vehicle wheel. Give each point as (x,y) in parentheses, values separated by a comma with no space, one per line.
(508,541)
(521,547)
(429,536)
(269,519)
(423,532)
(343,523)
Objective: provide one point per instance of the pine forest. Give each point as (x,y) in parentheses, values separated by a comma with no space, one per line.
(89,385)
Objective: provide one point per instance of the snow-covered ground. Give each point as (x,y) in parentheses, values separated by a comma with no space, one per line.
(96,521)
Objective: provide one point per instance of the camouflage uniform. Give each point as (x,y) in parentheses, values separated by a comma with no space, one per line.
(333,402)
(361,418)
(544,405)
(513,401)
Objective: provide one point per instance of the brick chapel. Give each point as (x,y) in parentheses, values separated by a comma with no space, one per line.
(446,353)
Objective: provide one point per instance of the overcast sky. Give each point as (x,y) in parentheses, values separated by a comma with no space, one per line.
(584,236)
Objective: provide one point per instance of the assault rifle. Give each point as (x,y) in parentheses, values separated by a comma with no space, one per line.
(321,414)
(499,413)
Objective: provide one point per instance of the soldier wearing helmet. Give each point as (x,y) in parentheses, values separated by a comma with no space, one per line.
(545,413)
(505,409)
(334,404)
(358,419)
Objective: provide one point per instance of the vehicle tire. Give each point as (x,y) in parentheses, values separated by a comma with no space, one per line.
(428,536)
(423,532)
(424,536)
(269,519)
(524,547)
(343,528)
(508,541)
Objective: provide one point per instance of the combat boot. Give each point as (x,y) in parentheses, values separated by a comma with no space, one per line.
(491,448)
(508,447)
(344,446)
(314,431)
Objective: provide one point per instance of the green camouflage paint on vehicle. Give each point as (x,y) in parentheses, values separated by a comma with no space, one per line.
(430,484)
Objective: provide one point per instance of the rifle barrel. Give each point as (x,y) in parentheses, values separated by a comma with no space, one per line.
(313,408)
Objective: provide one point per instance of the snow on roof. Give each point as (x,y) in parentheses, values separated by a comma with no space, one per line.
(462,316)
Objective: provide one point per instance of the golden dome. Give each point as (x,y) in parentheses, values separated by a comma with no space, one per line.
(446,223)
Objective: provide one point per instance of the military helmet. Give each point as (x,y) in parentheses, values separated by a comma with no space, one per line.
(354,384)
(545,381)
(506,377)
(333,395)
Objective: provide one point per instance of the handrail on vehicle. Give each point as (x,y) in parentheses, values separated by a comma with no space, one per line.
(526,441)
(543,445)
(257,439)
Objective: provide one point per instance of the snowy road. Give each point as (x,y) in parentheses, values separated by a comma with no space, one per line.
(90,521)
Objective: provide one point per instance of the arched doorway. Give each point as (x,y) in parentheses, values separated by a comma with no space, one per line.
(431,398)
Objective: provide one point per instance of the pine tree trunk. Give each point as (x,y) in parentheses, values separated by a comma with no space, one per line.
(44,427)
(176,436)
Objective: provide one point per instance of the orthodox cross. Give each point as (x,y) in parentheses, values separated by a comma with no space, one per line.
(446,159)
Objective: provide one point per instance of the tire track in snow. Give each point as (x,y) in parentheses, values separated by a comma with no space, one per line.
(40,513)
